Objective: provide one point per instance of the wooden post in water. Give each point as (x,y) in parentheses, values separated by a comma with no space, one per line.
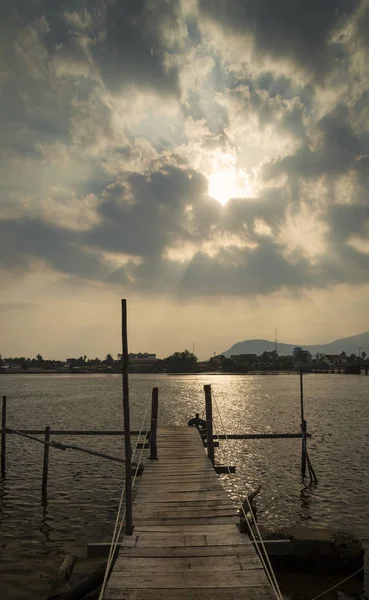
(45,469)
(209,423)
(154,423)
(303,429)
(126,418)
(3,438)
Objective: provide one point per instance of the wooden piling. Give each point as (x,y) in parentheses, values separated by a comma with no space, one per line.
(45,469)
(3,438)
(154,423)
(126,419)
(303,428)
(209,423)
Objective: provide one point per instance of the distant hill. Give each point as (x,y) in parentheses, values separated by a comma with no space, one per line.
(349,345)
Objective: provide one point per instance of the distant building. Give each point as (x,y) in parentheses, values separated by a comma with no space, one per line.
(334,360)
(142,360)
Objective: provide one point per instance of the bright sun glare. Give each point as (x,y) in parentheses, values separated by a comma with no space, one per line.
(227,182)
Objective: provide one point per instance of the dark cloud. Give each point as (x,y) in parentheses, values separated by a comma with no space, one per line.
(126,38)
(148,213)
(34,240)
(134,49)
(286,29)
(338,149)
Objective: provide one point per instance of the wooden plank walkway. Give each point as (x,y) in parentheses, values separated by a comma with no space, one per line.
(185,543)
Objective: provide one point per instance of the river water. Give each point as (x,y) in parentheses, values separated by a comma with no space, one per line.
(83,491)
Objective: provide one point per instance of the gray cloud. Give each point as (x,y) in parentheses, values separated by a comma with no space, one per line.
(113,114)
(285,29)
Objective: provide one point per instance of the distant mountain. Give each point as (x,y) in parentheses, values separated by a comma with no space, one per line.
(349,345)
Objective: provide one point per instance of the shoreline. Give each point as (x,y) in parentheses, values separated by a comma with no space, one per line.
(218,373)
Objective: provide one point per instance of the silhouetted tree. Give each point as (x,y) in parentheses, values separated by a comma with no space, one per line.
(109,360)
(182,362)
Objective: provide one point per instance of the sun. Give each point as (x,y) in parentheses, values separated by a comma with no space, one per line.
(227,182)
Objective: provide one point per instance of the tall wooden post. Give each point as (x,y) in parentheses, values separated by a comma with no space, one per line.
(45,469)
(3,438)
(209,423)
(154,423)
(303,428)
(126,418)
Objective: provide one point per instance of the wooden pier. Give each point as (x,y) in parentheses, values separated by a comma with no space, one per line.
(185,543)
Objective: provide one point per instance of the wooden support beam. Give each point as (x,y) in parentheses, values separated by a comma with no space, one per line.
(258,436)
(101,550)
(224,469)
(209,422)
(120,433)
(3,438)
(126,418)
(303,428)
(45,469)
(76,432)
(154,424)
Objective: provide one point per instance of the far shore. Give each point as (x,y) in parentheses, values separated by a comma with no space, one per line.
(54,372)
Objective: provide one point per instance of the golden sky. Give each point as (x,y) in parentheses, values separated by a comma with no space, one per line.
(209,165)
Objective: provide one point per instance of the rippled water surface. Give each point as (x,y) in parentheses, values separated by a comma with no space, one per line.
(83,490)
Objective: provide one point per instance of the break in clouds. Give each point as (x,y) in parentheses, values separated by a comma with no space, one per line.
(194,147)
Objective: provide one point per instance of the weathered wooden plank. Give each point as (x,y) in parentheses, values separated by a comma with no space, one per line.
(192,521)
(174,497)
(188,551)
(180,563)
(146,540)
(188,579)
(152,490)
(182,513)
(182,476)
(188,504)
(252,593)
(199,529)
(211,503)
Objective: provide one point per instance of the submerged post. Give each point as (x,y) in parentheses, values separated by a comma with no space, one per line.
(154,423)
(3,438)
(209,423)
(303,428)
(126,418)
(45,469)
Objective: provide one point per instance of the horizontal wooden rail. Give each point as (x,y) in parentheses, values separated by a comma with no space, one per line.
(258,436)
(76,432)
(112,432)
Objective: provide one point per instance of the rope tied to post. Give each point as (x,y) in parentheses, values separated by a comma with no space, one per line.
(60,446)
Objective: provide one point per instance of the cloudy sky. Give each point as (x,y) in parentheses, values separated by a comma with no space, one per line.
(206,159)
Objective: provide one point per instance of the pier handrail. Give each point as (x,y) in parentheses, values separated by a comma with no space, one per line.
(119,522)
(265,561)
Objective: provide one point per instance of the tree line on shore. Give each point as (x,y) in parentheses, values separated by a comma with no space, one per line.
(185,362)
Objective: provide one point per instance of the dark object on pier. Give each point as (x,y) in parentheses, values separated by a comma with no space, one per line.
(197,422)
